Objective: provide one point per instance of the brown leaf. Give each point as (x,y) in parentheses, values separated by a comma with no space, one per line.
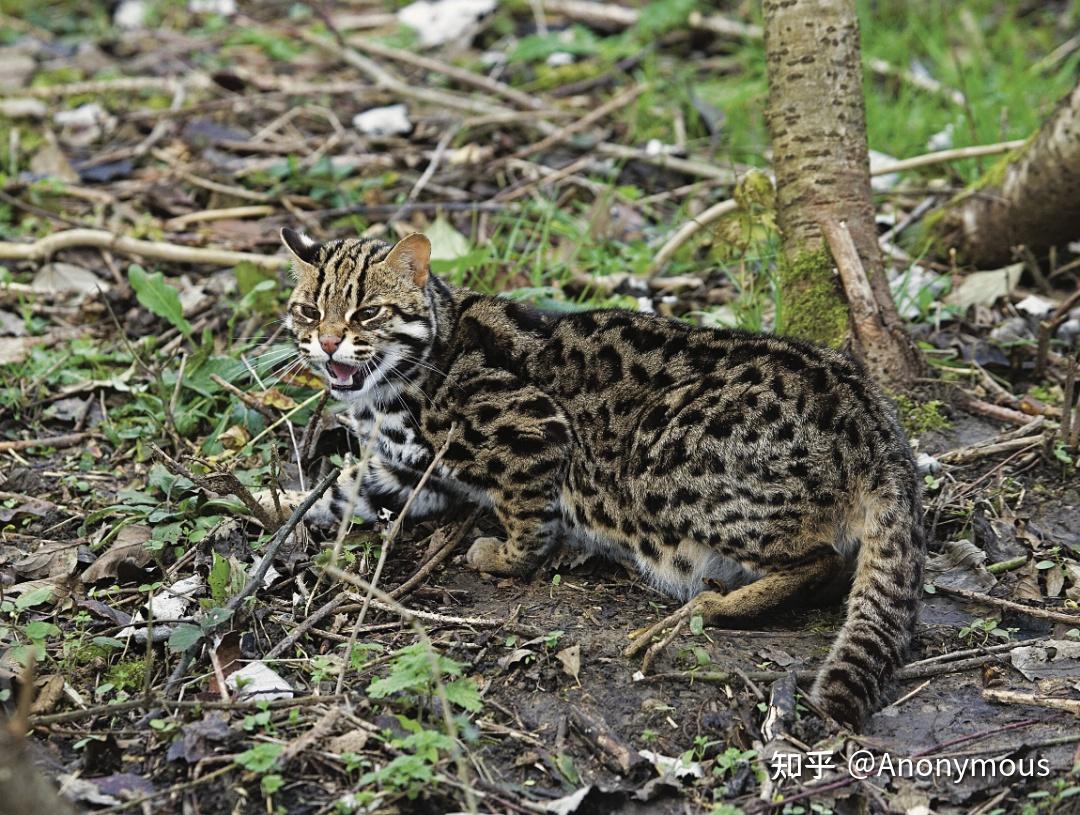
(351,742)
(129,547)
(571,661)
(276,399)
(52,559)
(52,687)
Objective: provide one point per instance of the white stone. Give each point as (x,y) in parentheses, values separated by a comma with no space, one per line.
(442,21)
(392,120)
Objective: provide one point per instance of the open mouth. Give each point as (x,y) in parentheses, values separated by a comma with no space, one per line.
(346,377)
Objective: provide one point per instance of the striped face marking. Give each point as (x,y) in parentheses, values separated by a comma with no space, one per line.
(361,313)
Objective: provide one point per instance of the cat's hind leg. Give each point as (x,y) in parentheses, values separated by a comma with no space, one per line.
(775,589)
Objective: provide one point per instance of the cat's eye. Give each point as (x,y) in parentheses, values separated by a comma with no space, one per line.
(308,312)
(368,313)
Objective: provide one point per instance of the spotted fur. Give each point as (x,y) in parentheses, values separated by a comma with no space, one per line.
(770,465)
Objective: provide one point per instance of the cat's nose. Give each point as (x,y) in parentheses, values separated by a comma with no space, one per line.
(330,344)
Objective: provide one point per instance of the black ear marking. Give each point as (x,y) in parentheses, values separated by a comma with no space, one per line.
(303,248)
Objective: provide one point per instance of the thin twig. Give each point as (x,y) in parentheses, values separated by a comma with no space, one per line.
(44,248)
(1009,605)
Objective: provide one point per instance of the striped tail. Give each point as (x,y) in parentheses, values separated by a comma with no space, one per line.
(882,607)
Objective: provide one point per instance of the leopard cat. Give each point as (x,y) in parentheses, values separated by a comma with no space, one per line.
(759,464)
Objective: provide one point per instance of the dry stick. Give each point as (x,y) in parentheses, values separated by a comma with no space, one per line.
(245,397)
(309,622)
(974,652)
(1067,404)
(1009,697)
(218,483)
(388,541)
(1009,605)
(253,211)
(67,440)
(442,554)
(942,156)
(865,315)
(691,228)
(117,708)
(44,248)
(562,134)
(492,86)
(391,604)
(719,210)
(622,757)
(260,572)
(965,455)
(389,82)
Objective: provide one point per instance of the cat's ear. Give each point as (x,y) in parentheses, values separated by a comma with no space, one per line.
(303,249)
(412,255)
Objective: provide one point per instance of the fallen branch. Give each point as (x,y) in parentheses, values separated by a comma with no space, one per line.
(1009,605)
(616,753)
(439,556)
(685,232)
(1009,697)
(965,455)
(66,440)
(44,248)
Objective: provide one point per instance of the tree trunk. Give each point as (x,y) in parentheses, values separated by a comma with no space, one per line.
(1030,197)
(817,122)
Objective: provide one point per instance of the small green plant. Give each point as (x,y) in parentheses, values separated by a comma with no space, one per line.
(981,629)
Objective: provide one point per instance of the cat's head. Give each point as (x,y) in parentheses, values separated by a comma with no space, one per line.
(361,312)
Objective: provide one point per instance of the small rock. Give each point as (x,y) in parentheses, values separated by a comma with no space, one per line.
(226,8)
(442,21)
(926,464)
(130,15)
(559,59)
(1014,329)
(85,124)
(882,182)
(1035,306)
(392,120)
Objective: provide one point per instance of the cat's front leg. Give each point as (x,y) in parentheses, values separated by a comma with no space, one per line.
(332,505)
(525,456)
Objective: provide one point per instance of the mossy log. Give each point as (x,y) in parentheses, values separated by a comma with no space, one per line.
(1029,197)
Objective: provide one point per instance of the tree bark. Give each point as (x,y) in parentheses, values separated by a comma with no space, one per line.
(1030,197)
(817,122)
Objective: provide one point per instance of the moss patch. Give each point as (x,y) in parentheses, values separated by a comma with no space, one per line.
(812,306)
(920,417)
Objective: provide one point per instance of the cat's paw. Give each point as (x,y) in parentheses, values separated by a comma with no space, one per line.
(288,500)
(490,555)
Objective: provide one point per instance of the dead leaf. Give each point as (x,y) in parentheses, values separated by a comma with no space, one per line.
(51,161)
(777,656)
(14,350)
(514,657)
(235,437)
(961,565)
(571,661)
(129,547)
(12,324)
(984,288)
(351,742)
(1056,658)
(52,688)
(197,739)
(274,398)
(52,559)
(67,277)
(31,506)
(1055,581)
